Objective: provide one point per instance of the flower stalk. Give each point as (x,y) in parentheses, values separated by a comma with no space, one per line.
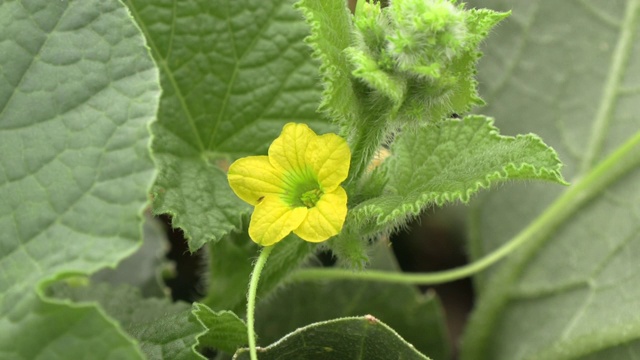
(251,299)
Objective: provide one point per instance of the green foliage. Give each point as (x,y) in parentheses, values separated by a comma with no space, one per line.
(391,70)
(573,291)
(225,332)
(335,339)
(330,24)
(79,88)
(421,55)
(416,318)
(77,91)
(350,247)
(164,330)
(232,76)
(433,165)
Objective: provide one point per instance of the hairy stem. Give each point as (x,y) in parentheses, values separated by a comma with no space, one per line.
(364,144)
(251,299)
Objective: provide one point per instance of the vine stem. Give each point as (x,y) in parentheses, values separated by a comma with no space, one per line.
(251,299)
(406,278)
(614,166)
(364,146)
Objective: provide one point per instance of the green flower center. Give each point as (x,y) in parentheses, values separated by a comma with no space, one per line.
(311,197)
(302,188)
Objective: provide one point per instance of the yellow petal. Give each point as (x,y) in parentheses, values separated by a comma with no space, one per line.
(272,220)
(253,177)
(326,218)
(287,152)
(329,157)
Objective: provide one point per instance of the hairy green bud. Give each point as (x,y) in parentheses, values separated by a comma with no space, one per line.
(419,55)
(370,24)
(426,35)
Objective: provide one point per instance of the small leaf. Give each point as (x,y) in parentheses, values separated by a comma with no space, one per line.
(232,73)
(164,330)
(225,331)
(348,338)
(450,162)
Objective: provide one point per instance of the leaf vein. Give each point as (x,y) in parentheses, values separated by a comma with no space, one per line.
(247,50)
(168,73)
(4,106)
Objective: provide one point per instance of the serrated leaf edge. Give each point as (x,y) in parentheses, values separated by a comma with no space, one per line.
(439,199)
(329,72)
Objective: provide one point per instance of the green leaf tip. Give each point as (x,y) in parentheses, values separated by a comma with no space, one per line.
(451,161)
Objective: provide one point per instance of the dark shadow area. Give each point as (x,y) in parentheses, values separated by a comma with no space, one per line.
(435,242)
(187,277)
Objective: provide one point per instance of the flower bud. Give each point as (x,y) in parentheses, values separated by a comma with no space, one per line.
(427,35)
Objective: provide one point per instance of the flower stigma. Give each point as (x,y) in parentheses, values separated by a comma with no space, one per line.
(311,197)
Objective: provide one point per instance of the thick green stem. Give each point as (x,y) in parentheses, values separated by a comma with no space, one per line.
(365,143)
(367,131)
(251,299)
(609,170)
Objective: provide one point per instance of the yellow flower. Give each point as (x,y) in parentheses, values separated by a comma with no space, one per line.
(296,187)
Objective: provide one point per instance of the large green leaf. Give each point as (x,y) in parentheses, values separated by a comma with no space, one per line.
(164,330)
(233,73)
(77,91)
(362,337)
(417,318)
(569,71)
